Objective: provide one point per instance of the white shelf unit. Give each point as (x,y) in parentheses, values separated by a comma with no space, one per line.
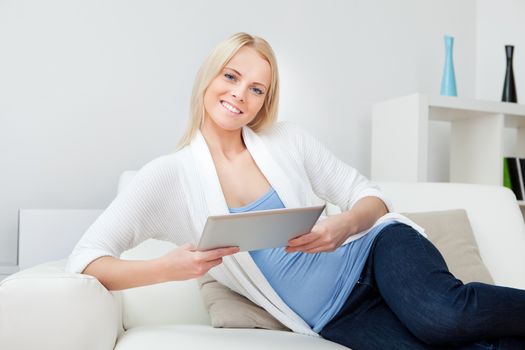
(400,129)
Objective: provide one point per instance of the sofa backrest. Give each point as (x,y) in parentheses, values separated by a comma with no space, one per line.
(492,210)
(493,213)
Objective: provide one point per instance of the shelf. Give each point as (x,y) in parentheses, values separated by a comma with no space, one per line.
(400,137)
(450,109)
(475,106)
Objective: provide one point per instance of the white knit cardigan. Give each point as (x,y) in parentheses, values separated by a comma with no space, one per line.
(171,197)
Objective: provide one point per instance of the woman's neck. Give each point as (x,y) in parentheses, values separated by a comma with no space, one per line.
(227,143)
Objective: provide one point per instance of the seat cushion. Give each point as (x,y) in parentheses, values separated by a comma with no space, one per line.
(201,337)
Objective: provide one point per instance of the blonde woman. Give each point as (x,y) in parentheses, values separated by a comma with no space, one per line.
(368,277)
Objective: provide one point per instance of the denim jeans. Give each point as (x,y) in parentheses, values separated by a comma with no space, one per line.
(407,299)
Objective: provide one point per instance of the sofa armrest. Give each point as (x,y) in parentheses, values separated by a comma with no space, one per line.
(46,308)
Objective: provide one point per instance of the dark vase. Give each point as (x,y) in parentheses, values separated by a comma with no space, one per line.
(509,88)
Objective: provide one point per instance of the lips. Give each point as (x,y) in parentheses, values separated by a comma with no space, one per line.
(231,107)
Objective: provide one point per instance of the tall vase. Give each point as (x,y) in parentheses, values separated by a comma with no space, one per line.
(448,82)
(509,88)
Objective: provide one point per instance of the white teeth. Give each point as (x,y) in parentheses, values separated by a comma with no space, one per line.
(230,107)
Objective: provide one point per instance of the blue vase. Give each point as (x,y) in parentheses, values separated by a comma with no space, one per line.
(448,82)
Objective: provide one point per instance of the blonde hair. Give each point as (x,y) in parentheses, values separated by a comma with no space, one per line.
(213,65)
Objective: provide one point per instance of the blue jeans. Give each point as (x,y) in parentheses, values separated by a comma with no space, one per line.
(407,299)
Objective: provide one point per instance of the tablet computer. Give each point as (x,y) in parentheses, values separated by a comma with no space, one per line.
(258,229)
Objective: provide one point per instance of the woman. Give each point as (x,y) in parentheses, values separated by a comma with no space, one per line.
(369,279)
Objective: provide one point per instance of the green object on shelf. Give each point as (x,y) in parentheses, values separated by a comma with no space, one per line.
(506,174)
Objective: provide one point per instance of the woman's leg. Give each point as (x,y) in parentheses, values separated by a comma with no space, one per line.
(413,279)
(365,322)
(375,327)
(378,328)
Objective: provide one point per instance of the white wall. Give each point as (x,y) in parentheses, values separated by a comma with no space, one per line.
(91,88)
(503,24)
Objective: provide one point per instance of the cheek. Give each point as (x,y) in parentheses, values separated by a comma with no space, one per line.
(206,101)
(260,105)
(210,96)
(213,90)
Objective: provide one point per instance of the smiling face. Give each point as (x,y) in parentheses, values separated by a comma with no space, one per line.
(235,96)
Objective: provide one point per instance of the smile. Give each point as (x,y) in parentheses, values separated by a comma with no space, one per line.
(230,108)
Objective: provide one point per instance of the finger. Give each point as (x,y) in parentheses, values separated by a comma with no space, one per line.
(228,251)
(321,249)
(203,267)
(312,250)
(219,253)
(294,249)
(188,246)
(299,248)
(303,239)
(310,246)
(212,263)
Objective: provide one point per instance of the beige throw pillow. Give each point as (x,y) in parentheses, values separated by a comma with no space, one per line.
(229,309)
(449,230)
(451,233)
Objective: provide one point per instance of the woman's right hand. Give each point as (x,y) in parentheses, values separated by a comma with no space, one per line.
(185,262)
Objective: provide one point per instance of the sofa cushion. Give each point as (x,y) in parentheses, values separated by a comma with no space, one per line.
(175,302)
(448,230)
(451,233)
(200,337)
(232,310)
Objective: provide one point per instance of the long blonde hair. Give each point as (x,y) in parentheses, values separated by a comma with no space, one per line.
(213,65)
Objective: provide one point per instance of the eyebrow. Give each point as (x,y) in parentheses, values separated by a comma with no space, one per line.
(236,71)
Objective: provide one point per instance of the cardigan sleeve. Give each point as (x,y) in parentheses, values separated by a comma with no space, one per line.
(332,179)
(136,214)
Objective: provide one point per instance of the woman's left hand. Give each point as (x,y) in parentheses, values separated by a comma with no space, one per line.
(326,236)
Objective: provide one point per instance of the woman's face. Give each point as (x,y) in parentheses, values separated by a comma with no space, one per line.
(235,96)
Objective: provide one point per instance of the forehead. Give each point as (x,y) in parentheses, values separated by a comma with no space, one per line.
(251,65)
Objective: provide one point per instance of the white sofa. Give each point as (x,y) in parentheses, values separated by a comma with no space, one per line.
(45,308)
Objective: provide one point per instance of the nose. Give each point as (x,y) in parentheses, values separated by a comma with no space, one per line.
(238,94)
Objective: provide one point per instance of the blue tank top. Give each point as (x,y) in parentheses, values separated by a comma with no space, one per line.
(315,285)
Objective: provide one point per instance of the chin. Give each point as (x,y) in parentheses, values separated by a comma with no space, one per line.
(232,127)
(228,123)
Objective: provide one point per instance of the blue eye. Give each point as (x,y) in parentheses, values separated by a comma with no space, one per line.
(258,91)
(232,77)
